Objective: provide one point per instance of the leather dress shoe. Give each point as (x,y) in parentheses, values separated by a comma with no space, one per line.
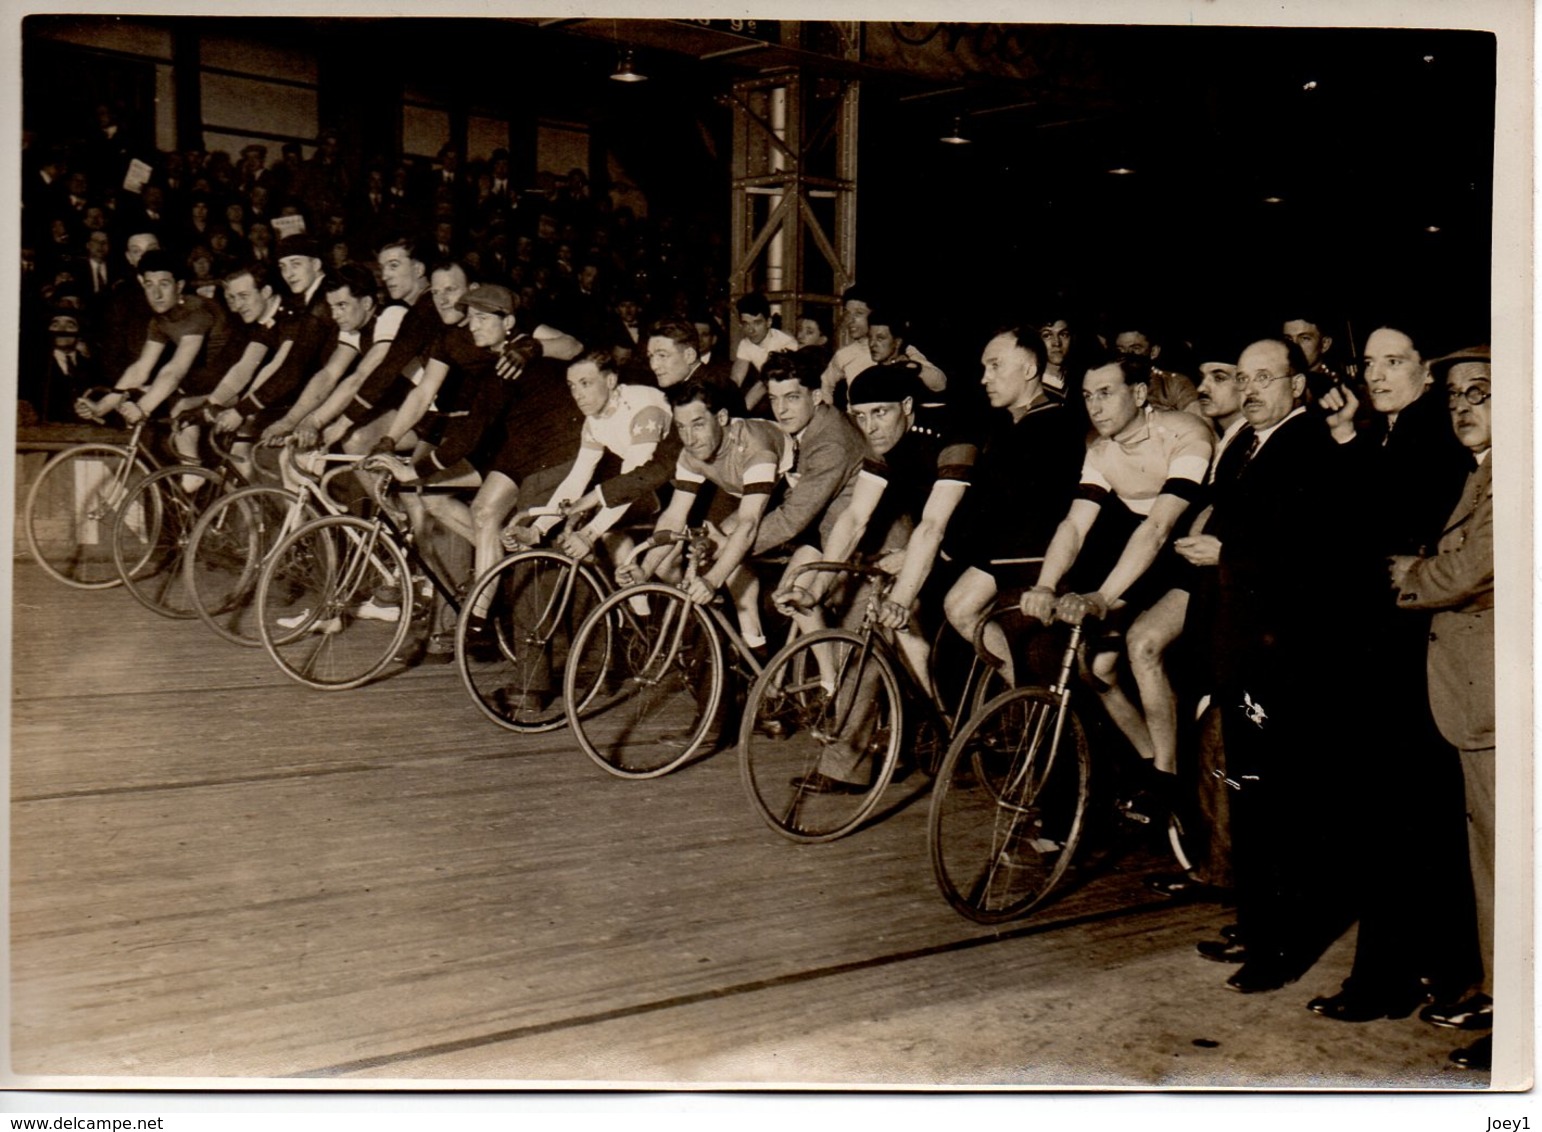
(1222,950)
(1231,932)
(1479,1055)
(1261,975)
(818,782)
(1475,1013)
(1352,1004)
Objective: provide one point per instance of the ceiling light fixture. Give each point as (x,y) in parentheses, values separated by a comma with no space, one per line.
(1432,228)
(955,136)
(1274,200)
(626,72)
(1309,85)
(1121,171)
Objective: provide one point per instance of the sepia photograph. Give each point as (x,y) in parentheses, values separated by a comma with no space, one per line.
(755,553)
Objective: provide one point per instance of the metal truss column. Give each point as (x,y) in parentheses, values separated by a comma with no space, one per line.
(795,144)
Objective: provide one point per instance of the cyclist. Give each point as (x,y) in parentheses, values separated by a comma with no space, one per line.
(364,334)
(628,421)
(284,346)
(1023,482)
(202,341)
(461,441)
(365,397)
(910,485)
(1143,470)
(745,460)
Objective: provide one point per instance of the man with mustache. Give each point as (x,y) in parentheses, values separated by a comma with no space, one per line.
(1281,627)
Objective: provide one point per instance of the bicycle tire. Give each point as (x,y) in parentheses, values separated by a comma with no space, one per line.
(225,556)
(309,595)
(1008,805)
(151,534)
(650,704)
(71,509)
(531,616)
(794,726)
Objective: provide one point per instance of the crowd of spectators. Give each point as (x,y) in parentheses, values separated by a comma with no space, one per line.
(572,257)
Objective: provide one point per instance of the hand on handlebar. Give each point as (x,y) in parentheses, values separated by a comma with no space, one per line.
(228,421)
(1039,604)
(892,615)
(700,591)
(793,599)
(397,466)
(1073,609)
(520,536)
(575,544)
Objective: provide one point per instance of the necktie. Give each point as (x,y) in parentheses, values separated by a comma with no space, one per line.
(1241,449)
(98,275)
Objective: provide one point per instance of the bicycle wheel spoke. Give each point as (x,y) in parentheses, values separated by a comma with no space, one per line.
(513,638)
(309,600)
(654,681)
(152,533)
(1007,808)
(225,558)
(72,509)
(820,737)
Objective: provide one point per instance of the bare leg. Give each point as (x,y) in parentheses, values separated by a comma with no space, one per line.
(495,499)
(1148,640)
(1121,709)
(967,602)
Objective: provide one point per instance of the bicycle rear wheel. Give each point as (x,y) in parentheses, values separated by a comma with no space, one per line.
(151,535)
(825,712)
(225,555)
(643,681)
(528,606)
(309,596)
(72,507)
(1007,808)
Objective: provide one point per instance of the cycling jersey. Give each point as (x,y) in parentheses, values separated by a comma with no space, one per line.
(752,457)
(630,426)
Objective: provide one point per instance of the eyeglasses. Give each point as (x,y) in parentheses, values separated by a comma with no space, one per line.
(1472,395)
(1263,379)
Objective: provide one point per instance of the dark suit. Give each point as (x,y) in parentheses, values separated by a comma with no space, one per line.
(1281,633)
(828,457)
(1417,909)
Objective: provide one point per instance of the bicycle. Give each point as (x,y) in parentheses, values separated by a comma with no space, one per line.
(153,530)
(645,677)
(316,609)
(235,535)
(531,602)
(839,698)
(74,504)
(1010,799)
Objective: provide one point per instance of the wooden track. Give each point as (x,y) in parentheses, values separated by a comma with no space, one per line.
(218,872)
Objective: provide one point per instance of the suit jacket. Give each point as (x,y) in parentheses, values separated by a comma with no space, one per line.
(829,456)
(1290,585)
(1457,583)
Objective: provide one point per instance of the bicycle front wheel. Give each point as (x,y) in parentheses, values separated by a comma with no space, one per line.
(72,508)
(225,555)
(821,735)
(152,532)
(511,642)
(643,681)
(309,599)
(1007,807)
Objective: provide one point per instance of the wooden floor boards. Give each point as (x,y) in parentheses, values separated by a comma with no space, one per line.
(217,872)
